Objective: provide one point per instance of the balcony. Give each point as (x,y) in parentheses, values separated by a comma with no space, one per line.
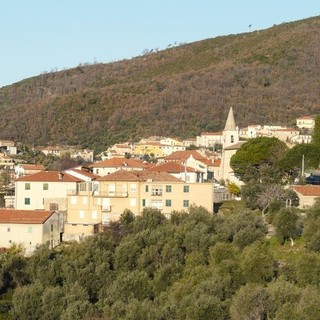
(110,194)
(156,192)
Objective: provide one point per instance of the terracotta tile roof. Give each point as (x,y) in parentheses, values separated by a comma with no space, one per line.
(308,190)
(32,167)
(50,176)
(182,155)
(118,162)
(217,163)
(171,167)
(144,175)
(306,117)
(24,216)
(157,176)
(120,175)
(207,162)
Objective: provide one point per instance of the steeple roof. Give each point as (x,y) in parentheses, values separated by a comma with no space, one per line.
(230,123)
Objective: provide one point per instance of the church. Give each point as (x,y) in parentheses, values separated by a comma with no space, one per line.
(230,145)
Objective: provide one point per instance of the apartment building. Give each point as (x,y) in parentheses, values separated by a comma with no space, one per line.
(92,205)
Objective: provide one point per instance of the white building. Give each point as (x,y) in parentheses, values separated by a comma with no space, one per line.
(30,228)
(44,190)
(209,139)
(305,122)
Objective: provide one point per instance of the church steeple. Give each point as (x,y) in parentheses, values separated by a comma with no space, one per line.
(231,132)
(230,123)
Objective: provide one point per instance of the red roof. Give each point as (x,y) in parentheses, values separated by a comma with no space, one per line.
(157,176)
(182,155)
(32,167)
(217,163)
(306,117)
(171,167)
(120,175)
(24,216)
(124,175)
(50,176)
(118,162)
(308,190)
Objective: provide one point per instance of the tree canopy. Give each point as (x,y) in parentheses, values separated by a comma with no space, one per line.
(193,266)
(258,159)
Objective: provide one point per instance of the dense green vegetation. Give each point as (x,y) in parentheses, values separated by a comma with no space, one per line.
(193,266)
(268,77)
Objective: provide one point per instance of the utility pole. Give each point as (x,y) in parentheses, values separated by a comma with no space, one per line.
(302,167)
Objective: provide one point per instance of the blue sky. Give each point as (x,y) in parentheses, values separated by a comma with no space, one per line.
(43,35)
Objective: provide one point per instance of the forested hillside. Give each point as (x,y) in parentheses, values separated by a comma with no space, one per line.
(268,76)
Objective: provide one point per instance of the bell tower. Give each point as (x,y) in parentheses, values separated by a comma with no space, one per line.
(230,134)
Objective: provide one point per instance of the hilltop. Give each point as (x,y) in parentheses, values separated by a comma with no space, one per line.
(268,76)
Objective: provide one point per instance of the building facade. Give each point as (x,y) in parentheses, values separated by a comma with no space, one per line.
(30,228)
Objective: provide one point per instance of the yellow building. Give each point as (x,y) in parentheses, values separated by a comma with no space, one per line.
(94,204)
(151,148)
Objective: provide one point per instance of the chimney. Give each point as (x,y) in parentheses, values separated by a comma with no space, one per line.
(60,175)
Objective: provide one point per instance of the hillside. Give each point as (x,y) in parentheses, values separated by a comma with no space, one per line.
(269,76)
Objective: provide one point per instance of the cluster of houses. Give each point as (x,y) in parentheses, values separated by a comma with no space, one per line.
(49,207)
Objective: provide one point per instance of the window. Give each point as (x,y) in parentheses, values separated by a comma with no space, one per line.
(94,215)
(157,204)
(26,201)
(156,191)
(186,203)
(53,206)
(51,227)
(73,200)
(83,186)
(168,188)
(85,200)
(232,139)
(45,186)
(112,189)
(81,214)
(8,230)
(168,203)
(133,202)
(27,186)
(143,202)
(147,188)
(29,229)
(185,188)
(133,188)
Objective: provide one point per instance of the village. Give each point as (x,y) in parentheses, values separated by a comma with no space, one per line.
(52,207)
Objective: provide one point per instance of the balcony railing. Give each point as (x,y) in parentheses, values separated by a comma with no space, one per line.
(75,192)
(156,193)
(110,194)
